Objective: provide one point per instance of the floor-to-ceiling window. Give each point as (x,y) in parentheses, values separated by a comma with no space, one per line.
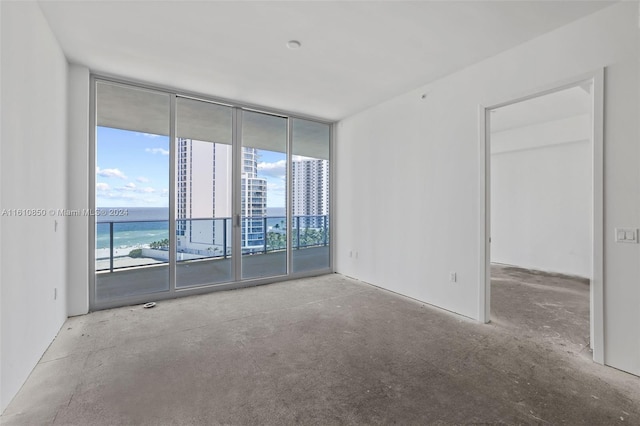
(193,193)
(310,195)
(203,185)
(131,192)
(263,195)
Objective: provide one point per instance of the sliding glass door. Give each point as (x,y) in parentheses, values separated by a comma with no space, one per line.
(131,192)
(193,193)
(310,195)
(263,189)
(203,186)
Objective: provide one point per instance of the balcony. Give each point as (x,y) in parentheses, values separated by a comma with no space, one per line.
(204,254)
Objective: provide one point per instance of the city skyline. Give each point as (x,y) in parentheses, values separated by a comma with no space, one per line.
(204,195)
(132,170)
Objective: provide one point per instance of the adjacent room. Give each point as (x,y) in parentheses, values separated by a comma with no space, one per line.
(542,215)
(343,212)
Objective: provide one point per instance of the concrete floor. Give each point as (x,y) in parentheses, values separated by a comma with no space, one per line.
(553,308)
(327,350)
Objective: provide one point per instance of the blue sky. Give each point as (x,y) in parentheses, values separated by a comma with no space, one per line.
(273,167)
(132,170)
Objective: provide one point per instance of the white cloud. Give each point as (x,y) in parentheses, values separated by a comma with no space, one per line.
(110,173)
(280,164)
(301,158)
(157,151)
(126,196)
(142,179)
(133,188)
(277,169)
(100,186)
(149,135)
(273,186)
(276,194)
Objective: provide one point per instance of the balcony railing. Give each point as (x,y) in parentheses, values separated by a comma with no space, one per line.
(202,238)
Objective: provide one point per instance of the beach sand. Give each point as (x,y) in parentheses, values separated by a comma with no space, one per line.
(125,261)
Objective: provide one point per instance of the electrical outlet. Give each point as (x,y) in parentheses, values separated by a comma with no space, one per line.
(453,277)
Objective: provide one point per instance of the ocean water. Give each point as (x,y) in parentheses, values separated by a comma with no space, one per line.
(133,226)
(138,226)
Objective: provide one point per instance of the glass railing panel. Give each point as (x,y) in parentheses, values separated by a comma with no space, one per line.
(131,258)
(135,243)
(203,253)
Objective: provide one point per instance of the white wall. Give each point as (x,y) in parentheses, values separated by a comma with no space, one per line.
(407,188)
(78,187)
(33,167)
(3,404)
(541,196)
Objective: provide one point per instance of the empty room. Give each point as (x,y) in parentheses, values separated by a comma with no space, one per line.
(319,212)
(542,215)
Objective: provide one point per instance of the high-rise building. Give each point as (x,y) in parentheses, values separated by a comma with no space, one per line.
(310,191)
(204,200)
(254,202)
(204,205)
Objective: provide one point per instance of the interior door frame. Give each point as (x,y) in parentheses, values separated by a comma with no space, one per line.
(596,78)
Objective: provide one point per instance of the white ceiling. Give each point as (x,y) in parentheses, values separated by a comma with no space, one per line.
(354,53)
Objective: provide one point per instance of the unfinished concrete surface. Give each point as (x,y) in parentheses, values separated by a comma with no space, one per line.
(553,308)
(327,350)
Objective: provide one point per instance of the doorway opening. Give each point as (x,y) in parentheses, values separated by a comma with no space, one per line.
(542,224)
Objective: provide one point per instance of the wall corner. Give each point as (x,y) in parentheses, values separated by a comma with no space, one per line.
(78,190)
